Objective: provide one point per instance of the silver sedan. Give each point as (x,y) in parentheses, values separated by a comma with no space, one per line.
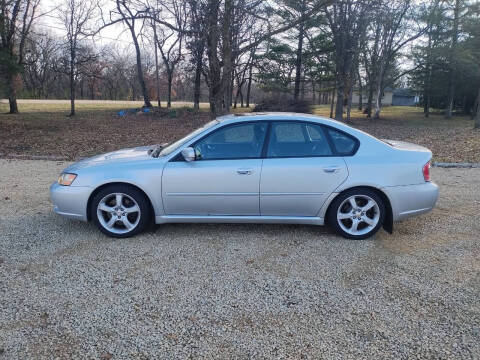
(253,168)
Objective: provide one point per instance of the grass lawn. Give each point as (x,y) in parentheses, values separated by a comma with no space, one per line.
(43,128)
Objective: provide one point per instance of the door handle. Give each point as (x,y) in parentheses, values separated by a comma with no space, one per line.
(244,172)
(331,169)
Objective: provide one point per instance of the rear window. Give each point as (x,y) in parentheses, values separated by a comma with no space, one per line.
(345,145)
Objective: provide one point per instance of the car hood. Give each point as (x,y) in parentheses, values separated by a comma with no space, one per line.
(120,156)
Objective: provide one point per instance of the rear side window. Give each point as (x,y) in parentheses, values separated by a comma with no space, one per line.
(297,139)
(345,145)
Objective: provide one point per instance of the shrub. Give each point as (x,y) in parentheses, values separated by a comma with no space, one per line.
(284,105)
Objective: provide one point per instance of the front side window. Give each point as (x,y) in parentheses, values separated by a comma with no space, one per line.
(242,141)
(172,147)
(297,139)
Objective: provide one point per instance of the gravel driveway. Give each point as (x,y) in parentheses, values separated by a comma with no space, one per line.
(236,291)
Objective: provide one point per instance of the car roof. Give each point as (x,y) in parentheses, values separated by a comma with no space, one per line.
(251,116)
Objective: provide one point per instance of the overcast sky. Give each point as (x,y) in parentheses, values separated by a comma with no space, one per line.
(50,23)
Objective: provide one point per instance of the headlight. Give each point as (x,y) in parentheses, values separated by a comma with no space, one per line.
(66,179)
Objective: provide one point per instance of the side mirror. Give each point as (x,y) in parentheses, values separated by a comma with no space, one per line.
(189,154)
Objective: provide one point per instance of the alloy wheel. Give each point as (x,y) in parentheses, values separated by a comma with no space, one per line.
(118,213)
(358,215)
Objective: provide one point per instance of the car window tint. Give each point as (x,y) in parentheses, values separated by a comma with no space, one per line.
(344,144)
(315,132)
(242,141)
(289,132)
(297,139)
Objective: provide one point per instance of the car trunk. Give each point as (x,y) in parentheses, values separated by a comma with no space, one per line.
(403,145)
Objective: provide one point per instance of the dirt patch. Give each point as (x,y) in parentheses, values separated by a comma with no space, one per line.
(44,129)
(449,143)
(91,132)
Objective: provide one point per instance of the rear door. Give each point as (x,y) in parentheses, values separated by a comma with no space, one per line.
(300,171)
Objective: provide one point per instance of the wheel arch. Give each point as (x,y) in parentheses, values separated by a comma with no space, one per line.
(388,222)
(103,186)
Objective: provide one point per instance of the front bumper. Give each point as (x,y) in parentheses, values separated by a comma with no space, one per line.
(70,201)
(411,200)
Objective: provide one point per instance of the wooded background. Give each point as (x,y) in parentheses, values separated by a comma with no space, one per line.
(232,53)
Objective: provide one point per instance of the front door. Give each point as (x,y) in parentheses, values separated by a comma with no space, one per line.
(300,170)
(225,177)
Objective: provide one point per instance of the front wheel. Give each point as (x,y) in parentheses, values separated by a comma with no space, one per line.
(120,211)
(357,214)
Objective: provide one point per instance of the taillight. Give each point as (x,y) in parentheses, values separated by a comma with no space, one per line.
(426,171)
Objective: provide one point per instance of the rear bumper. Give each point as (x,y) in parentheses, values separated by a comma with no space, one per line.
(411,200)
(70,201)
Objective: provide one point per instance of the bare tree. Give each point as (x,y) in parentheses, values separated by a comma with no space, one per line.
(157,67)
(396,34)
(76,16)
(298,60)
(16,19)
(453,58)
(132,14)
(196,45)
(219,19)
(170,42)
(347,20)
(219,37)
(40,69)
(253,58)
(241,73)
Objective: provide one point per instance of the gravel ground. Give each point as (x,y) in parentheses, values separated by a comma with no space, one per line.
(236,291)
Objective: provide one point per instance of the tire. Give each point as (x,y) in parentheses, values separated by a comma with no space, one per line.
(369,213)
(124,219)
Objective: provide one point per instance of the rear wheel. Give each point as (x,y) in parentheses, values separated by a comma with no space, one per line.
(357,214)
(120,211)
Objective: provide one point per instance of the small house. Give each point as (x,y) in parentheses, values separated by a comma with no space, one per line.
(387,97)
(405,97)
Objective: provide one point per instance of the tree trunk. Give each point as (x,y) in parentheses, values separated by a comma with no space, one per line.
(427,84)
(302,87)
(237,94)
(360,91)
(349,103)
(373,71)
(141,78)
(230,88)
(332,101)
(216,85)
(340,100)
(157,76)
(298,61)
(249,85)
(427,106)
(379,90)
(378,103)
(12,93)
(453,66)
(72,80)
(198,77)
(368,109)
(314,93)
(169,90)
(476,108)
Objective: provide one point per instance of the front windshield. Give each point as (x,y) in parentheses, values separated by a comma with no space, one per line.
(173,146)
